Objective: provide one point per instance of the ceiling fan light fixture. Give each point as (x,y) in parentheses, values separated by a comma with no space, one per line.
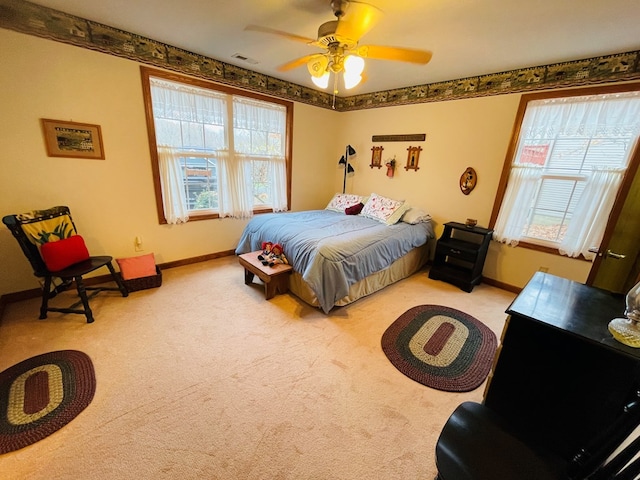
(342,53)
(351,80)
(353,65)
(322,81)
(317,66)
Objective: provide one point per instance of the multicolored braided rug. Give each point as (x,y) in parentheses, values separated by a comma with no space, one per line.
(41,395)
(440,347)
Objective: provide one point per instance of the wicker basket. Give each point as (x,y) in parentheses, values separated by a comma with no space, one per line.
(143,283)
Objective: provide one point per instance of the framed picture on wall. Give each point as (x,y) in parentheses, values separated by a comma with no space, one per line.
(376,157)
(72,139)
(412,158)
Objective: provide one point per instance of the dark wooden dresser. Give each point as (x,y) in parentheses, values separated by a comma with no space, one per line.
(559,375)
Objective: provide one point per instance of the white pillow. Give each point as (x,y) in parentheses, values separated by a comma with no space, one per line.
(381,208)
(398,214)
(415,215)
(340,201)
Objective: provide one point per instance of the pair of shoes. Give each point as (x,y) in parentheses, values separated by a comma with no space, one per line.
(272,254)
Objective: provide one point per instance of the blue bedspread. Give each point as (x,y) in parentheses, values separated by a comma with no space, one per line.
(331,250)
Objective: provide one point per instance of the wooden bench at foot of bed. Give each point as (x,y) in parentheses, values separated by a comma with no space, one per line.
(276,278)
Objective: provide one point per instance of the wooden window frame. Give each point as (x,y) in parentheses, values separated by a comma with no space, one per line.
(513,145)
(146,73)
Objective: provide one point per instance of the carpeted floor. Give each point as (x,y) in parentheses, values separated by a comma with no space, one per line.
(203,378)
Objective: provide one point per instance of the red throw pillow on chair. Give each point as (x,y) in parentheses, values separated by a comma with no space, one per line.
(64,253)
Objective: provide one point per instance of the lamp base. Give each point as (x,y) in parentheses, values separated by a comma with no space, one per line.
(625,331)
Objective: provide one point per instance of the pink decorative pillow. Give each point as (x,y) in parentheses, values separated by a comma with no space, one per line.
(137,267)
(63,253)
(354,209)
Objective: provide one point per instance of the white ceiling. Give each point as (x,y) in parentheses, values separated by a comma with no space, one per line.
(467,37)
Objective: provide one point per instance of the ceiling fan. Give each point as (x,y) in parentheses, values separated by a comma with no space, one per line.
(339,38)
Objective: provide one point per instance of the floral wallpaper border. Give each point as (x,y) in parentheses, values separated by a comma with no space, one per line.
(44,22)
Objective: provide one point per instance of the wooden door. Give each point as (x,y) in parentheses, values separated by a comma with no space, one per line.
(622,238)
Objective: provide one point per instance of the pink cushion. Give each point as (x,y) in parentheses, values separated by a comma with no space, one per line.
(64,253)
(137,267)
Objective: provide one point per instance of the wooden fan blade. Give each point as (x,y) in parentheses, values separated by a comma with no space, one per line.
(280,33)
(395,53)
(298,62)
(358,19)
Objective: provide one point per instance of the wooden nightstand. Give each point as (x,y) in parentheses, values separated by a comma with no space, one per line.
(460,255)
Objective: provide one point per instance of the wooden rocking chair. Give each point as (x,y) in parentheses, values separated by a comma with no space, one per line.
(49,240)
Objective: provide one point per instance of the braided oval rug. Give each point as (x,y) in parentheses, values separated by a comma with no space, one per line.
(42,394)
(440,347)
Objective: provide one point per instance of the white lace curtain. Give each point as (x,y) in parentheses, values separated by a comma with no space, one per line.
(590,219)
(174,200)
(236,200)
(268,124)
(585,117)
(191,118)
(518,197)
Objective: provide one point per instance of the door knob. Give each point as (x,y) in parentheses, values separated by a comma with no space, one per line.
(617,256)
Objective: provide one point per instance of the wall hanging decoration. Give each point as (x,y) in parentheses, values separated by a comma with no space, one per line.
(411,137)
(412,158)
(344,160)
(72,139)
(468,180)
(376,157)
(391,167)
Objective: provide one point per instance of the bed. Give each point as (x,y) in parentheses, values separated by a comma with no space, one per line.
(338,257)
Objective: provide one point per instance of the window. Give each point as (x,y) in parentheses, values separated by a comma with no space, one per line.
(216,151)
(565,168)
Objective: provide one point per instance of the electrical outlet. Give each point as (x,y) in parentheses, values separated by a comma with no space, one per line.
(137,244)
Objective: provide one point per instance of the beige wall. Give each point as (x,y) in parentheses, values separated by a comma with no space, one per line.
(112,200)
(460,134)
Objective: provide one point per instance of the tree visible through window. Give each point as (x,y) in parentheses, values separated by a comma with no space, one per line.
(565,169)
(216,151)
